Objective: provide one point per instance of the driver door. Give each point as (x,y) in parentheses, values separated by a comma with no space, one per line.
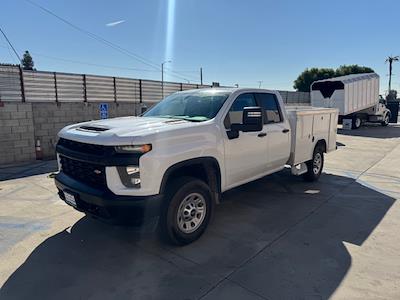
(246,155)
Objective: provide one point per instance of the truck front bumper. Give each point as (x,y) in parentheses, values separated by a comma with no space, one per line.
(105,205)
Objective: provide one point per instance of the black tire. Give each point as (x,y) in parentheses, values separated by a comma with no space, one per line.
(313,173)
(181,189)
(386,120)
(356,122)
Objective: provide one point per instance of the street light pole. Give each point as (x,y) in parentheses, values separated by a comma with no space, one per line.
(162,77)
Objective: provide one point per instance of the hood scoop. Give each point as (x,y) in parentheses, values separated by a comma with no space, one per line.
(93,129)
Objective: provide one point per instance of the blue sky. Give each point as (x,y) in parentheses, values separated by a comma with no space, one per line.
(234,41)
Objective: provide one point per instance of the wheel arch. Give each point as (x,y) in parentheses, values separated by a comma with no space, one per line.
(321,143)
(204,168)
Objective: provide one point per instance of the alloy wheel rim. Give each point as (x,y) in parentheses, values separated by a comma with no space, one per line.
(317,163)
(191,212)
(358,122)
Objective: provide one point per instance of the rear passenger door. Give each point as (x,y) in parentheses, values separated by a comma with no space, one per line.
(277,129)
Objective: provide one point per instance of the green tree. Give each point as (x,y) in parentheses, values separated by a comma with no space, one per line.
(352,69)
(27,61)
(308,76)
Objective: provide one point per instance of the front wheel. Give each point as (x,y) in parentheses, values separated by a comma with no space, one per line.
(385,121)
(187,211)
(315,165)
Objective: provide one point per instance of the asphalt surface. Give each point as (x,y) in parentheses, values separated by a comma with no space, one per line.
(275,238)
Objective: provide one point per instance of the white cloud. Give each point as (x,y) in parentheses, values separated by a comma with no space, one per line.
(115,23)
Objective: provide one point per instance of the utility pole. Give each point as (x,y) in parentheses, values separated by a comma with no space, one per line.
(259,83)
(391,59)
(162,77)
(201,76)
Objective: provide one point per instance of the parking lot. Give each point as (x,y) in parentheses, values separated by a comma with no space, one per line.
(276,238)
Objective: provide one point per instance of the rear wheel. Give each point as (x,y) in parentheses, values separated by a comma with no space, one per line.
(187,211)
(356,122)
(315,165)
(385,121)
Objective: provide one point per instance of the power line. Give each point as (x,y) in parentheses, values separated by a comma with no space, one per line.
(94,36)
(87,63)
(10,52)
(104,41)
(8,41)
(180,71)
(92,64)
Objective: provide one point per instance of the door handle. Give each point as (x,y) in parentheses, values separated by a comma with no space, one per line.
(262,134)
(285,130)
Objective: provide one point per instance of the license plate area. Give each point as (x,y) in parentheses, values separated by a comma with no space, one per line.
(70,199)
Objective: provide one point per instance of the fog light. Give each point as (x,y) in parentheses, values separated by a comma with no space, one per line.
(130,176)
(130,170)
(136,181)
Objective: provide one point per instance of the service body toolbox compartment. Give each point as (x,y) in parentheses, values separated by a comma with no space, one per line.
(309,125)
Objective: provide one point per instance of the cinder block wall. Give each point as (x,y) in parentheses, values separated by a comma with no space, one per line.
(16,133)
(23,124)
(50,118)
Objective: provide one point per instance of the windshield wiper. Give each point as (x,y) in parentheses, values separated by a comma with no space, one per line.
(186,118)
(193,118)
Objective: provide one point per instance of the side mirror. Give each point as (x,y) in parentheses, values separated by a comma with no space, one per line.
(143,109)
(252,120)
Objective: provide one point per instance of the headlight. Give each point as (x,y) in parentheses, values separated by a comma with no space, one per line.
(133,149)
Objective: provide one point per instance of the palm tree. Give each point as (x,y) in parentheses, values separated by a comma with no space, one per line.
(391,59)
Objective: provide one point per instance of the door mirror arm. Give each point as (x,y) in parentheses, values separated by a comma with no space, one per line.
(232,134)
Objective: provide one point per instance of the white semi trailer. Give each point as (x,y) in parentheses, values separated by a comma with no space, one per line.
(356,96)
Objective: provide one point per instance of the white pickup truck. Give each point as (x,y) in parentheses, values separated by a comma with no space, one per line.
(176,160)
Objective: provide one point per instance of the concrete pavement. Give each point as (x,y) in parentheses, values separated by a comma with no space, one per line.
(276,238)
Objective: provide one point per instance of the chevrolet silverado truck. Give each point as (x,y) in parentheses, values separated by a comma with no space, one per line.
(175,161)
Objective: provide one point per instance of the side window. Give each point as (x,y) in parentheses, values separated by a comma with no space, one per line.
(271,107)
(235,114)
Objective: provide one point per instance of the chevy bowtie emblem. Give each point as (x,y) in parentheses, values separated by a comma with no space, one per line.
(97,172)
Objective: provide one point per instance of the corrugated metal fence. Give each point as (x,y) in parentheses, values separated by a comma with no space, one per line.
(10,84)
(40,86)
(290,97)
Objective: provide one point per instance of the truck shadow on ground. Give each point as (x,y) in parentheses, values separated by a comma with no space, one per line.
(28,169)
(374,131)
(277,237)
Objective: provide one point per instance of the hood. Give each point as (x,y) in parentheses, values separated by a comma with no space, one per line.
(122,131)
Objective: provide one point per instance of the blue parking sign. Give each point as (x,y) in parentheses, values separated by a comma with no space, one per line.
(103,110)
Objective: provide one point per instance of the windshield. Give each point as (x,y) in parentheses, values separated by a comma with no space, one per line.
(196,106)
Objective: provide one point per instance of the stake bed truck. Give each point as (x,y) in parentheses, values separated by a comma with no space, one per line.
(176,160)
